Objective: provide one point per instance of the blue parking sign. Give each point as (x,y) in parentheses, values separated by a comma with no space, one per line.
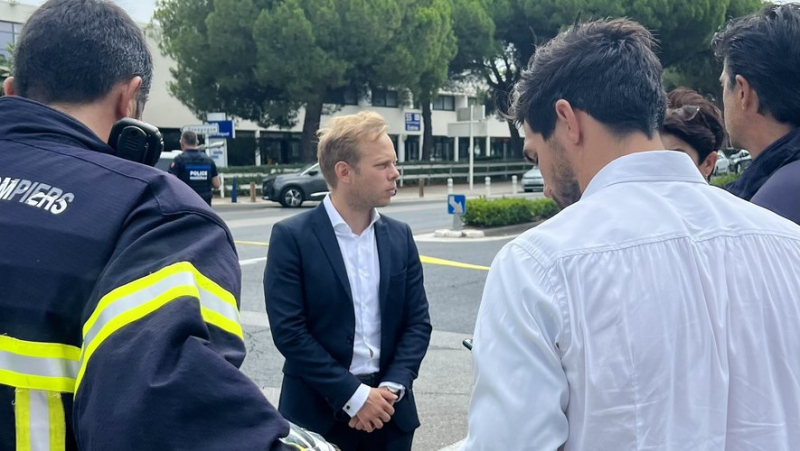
(413,123)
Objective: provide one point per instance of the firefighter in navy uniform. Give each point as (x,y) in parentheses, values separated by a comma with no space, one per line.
(119,287)
(195,168)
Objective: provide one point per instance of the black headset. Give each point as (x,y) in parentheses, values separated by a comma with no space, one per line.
(136,141)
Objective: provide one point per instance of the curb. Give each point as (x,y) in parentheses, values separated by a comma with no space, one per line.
(514,229)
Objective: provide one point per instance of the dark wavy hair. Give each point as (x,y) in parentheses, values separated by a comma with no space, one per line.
(694,119)
(606,68)
(764,48)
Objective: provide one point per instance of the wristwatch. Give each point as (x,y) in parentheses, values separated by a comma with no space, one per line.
(393,391)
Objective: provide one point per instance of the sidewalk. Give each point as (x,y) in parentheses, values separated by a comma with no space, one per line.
(406,194)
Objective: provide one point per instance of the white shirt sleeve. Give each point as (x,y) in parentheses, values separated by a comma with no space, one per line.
(394,386)
(520,390)
(356,402)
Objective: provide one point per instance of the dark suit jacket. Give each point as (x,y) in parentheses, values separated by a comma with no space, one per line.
(312,318)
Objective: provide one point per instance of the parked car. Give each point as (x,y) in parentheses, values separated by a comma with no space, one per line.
(166,159)
(532,180)
(291,190)
(740,161)
(723,165)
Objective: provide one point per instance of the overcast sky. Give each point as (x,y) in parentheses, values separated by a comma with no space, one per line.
(140,10)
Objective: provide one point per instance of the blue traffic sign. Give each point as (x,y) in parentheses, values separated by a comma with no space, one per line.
(413,122)
(226,130)
(456,204)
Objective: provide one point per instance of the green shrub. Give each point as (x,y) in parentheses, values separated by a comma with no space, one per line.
(723,180)
(484,212)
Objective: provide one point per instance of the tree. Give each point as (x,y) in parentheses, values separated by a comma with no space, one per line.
(263,60)
(424,49)
(681,26)
(701,71)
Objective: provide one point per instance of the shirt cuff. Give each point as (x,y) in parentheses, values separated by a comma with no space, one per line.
(395,386)
(356,402)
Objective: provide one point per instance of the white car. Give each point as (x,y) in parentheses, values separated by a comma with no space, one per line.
(723,165)
(532,180)
(740,161)
(166,159)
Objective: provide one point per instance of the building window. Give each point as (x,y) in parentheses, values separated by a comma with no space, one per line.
(383,97)
(8,35)
(472,101)
(342,96)
(442,148)
(444,103)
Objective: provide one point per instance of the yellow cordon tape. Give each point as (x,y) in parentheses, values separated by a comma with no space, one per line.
(422,258)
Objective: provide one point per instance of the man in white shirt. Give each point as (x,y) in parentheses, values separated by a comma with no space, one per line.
(345,298)
(655,312)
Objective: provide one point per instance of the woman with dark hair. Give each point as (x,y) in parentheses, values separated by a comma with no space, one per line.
(693,125)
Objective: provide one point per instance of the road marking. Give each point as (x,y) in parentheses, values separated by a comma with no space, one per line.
(431,238)
(252,243)
(455,446)
(250,318)
(443,262)
(423,258)
(252,261)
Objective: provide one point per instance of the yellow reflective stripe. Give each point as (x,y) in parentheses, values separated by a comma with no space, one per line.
(39,421)
(126,318)
(22,414)
(58,426)
(223,322)
(133,287)
(19,380)
(38,366)
(36,349)
(141,297)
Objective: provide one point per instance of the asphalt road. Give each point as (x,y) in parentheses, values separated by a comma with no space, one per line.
(454,293)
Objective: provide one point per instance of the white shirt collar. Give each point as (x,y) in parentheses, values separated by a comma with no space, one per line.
(651,166)
(338,222)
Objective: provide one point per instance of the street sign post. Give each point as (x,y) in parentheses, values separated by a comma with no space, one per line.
(202,129)
(457,206)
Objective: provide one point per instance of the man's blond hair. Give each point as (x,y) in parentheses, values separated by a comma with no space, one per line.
(340,138)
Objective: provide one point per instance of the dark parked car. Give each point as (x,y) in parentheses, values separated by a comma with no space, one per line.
(291,190)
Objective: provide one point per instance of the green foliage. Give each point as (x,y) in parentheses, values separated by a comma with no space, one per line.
(507,211)
(700,71)
(683,27)
(723,180)
(263,60)
(6,67)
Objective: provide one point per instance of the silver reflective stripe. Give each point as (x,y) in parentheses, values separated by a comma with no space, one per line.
(212,302)
(141,297)
(39,366)
(136,299)
(39,421)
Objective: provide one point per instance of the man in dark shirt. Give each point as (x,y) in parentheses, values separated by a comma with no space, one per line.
(761,93)
(195,168)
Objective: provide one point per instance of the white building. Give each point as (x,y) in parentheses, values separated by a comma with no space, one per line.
(256,145)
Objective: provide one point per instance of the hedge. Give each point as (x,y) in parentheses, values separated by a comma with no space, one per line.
(723,180)
(484,212)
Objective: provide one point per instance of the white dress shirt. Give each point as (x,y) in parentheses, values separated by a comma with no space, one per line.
(657,313)
(360,255)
